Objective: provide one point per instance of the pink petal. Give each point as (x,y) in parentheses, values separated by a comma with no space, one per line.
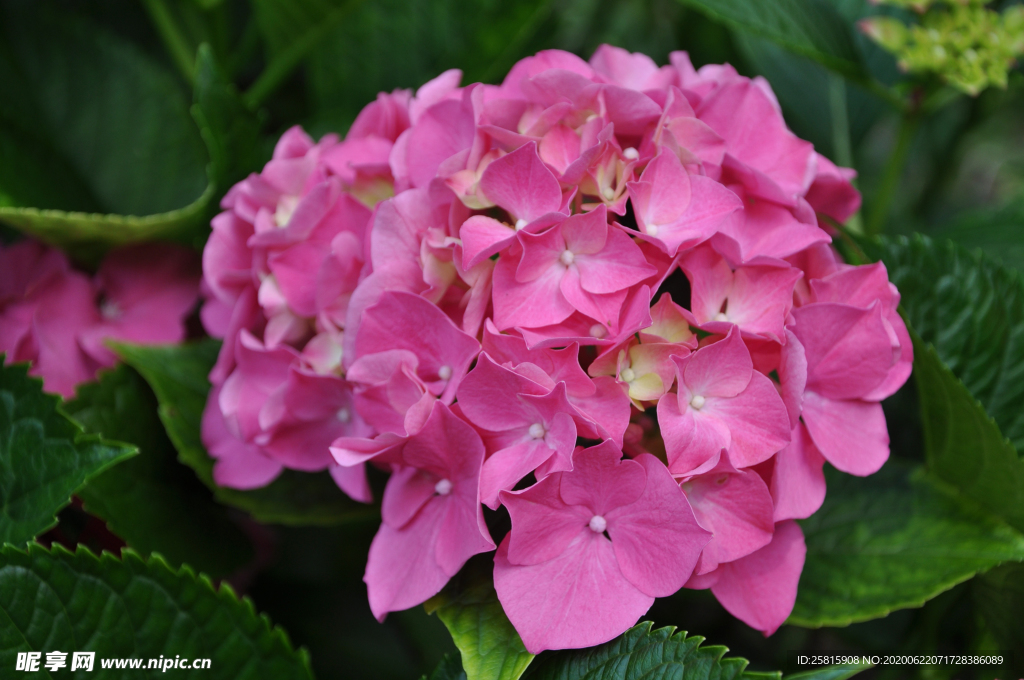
(798,481)
(577,599)
(521,184)
(850,434)
(721,369)
(760,589)
(757,420)
(656,539)
(736,507)
(601,481)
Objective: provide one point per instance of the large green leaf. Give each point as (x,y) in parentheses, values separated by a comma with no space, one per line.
(964,447)
(44,456)
(490,647)
(231,132)
(998,232)
(111,125)
(642,654)
(151,501)
(972,310)
(142,609)
(890,541)
(177,375)
(812,28)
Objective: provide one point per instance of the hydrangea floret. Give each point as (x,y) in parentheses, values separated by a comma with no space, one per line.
(600,297)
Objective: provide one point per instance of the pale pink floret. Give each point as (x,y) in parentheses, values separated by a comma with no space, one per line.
(590,549)
(524,427)
(432,520)
(677,210)
(147,291)
(722,403)
(582,264)
(756,298)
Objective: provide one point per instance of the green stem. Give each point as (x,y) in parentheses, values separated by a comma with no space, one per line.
(841,135)
(892,174)
(181,51)
(282,65)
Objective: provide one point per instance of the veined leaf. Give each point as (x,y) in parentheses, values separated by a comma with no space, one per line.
(972,310)
(152,501)
(891,541)
(812,28)
(999,597)
(44,456)
(491,648)
(89,104)
(963,445)
(177,375)
(62,601)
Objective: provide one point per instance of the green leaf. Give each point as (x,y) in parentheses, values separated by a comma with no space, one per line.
(394,43)
(177,375)
(44,456)
(642,653)
(891,541)
(111,123)
(963,445)
(152,501)
(972,311)
(291,28)
(230,130)
(812,28)
(999,595)
(830,672)
(59,601)
(998,232)
(491,648)
(448,669)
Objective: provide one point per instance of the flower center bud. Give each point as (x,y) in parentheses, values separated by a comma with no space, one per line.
(598,331)
(343,415)
(608,193)
(537,431)
(598,524)
(721,317)
(109,310)
(444,373)
(520,224)
(443,487)
(697,402)
(630,153)
(566,257)
(627,375)
(651,229)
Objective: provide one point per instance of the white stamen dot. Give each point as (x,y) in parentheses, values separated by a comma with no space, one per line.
(652,229)
(608,193)
(598,524)
(627,375)
(566,257)
(344,415)
(537,431)
(598,331)
(630,153)
(444,373)
(443,488)
(697,402)
(109,310)
(520,224)
(721,317)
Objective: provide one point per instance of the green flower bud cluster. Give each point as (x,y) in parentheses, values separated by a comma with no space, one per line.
(969,46)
